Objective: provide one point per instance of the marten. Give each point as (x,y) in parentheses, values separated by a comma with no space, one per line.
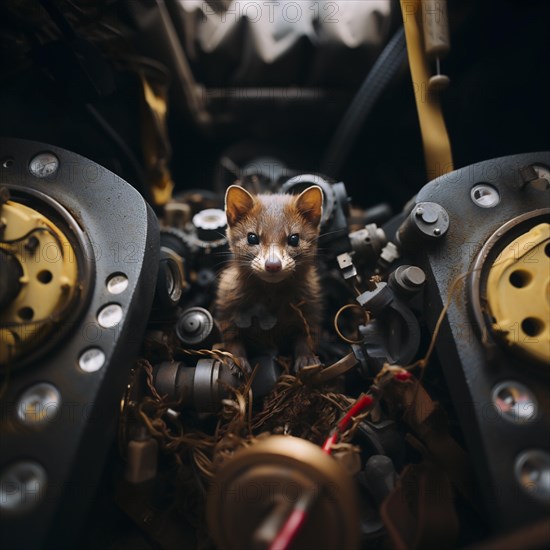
(269,295)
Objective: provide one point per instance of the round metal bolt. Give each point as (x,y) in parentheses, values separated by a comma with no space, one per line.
(514,402)
(195,326)
(429,213)
(485,195)
(44,165)
(431,225)
(39,404)
(413,276)
(91,360)
(532,469)
(22,487)
(117,284)
(110,315)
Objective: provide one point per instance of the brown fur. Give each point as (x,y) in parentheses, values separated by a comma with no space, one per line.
(243,288)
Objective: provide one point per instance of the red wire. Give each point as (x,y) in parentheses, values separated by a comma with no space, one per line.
(289,530)
(362,403)
(327,445)
(295,521)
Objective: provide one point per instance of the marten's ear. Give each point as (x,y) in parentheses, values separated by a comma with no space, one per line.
(310,204)
(238,202)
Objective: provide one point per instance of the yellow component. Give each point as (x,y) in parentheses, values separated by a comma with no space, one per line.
(48,283)
(437,147)
(155,141)
(518,293)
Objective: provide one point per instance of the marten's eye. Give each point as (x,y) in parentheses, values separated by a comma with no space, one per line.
(253,238)
(294,239)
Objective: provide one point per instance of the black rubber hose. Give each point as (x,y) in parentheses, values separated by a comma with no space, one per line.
(384,69)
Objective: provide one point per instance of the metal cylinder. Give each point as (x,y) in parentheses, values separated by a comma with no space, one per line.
(196,328)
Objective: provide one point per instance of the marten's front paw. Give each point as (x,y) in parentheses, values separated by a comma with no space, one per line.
(302,361)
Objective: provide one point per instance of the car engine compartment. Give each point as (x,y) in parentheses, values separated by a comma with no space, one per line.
(126,423)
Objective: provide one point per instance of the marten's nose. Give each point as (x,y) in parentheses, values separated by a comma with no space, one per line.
(272,266)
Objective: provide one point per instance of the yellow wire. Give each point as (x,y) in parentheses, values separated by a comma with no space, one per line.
(437,147)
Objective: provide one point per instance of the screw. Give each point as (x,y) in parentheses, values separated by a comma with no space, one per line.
(419,211)
(437,231)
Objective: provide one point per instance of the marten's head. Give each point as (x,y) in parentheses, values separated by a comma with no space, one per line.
(273,236)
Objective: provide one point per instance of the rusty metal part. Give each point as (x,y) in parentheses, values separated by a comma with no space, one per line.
(261,485)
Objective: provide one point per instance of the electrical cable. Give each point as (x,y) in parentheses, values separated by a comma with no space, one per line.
(385,68)
(290,529)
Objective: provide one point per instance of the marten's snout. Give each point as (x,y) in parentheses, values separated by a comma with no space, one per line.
(273,265)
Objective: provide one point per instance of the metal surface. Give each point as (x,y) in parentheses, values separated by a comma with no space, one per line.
(39,405)
(472,366)
(393,336)
(515,402)
(427,223)
(532,471)
(196,327)
(113,231)
(117,283)
(92,360)
(485,196)
(279,470)
(23,486)
(44,165)
(110,316)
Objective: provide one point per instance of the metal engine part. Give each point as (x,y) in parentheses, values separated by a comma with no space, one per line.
(463,272)
(256,491)
(204,386)
(57,419)
(393,336)
(334,226)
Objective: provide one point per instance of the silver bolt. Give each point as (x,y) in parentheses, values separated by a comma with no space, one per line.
(44,165)
(110,315)
(419,211)
(413,276)
(39,404)
(485,195)
(117,284)
(532,469)
(514,402)
(92,360)
(22,487)
(437,231)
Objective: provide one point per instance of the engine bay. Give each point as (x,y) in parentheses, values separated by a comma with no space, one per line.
(421,417)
